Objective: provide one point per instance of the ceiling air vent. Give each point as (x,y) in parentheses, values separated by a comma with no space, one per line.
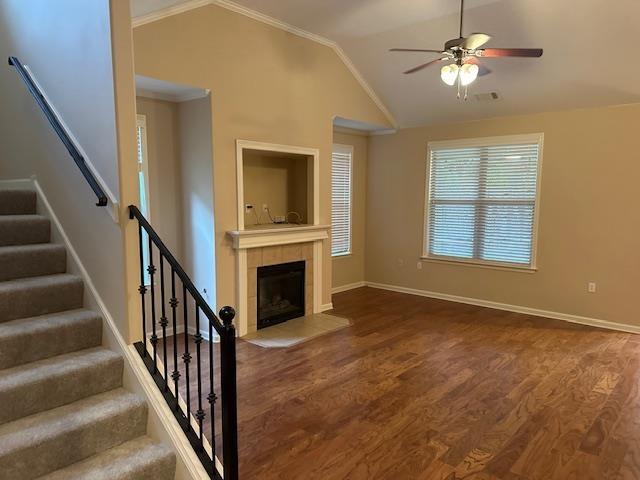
(487,97)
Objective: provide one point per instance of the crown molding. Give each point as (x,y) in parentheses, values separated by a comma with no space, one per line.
(260,17)
(168,12)
(141,92)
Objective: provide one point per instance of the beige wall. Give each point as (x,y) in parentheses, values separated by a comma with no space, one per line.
(267,85)
(589,228)
(196,171)
(281,183)
(165,184)
(350,269)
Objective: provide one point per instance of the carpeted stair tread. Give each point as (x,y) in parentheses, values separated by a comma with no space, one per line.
(24,229)
(20,261)
(42,443)
(27,297)
(139,459)
(17,202)
(29,339)
(50,383)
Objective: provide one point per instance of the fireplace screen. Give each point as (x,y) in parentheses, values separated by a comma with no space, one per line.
(280,293)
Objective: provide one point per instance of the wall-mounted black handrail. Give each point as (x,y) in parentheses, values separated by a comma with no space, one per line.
(158,361)
(60,131)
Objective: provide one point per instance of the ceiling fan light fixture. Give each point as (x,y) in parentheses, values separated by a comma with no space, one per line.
(449,74)
(468,73)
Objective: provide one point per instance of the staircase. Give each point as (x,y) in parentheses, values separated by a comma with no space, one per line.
(63,411)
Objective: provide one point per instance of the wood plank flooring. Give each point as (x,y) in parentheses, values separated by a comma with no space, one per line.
(432,390)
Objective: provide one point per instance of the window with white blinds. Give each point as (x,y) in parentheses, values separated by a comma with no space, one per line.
(482,200)
(341,170)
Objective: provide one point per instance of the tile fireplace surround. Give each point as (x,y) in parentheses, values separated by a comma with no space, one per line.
(274,255)
(272,246)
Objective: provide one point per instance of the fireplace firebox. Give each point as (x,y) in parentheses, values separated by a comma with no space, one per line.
(280,293)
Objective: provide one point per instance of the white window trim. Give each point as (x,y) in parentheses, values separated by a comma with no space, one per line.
(346,149)
(483,142)
(141,122)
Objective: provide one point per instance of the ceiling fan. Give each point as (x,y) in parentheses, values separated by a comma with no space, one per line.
(463,53)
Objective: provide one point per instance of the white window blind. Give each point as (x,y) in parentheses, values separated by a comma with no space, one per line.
(482,200)
(341,168)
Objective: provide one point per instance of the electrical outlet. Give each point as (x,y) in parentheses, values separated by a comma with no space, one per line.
(419,265)
(591,287)
(400,262)
(247,208)
(265,207)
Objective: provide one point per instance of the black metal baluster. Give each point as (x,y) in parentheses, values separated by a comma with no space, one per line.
(212,397)
(186,356)
(174,305)
(163,324)
(228,387)
(197,338)
(152,271)
(142,289)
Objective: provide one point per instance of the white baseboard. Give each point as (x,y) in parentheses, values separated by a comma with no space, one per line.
(349,286)
(154,398)
(593,322)
(21,183)
(326,306)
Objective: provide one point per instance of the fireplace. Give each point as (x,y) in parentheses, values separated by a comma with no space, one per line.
(280,293)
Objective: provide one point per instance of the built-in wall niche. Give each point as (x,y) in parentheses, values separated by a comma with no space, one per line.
(281,177)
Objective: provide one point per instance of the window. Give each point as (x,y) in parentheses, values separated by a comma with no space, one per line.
(482,200)
(143,185)
(341,168)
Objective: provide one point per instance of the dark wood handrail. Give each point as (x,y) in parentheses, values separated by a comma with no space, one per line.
(60,131)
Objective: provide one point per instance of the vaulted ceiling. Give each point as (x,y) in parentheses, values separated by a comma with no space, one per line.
(589,50)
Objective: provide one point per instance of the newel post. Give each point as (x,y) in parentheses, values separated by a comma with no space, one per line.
(229,394)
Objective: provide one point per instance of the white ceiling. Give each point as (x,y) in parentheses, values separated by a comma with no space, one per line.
(589,50)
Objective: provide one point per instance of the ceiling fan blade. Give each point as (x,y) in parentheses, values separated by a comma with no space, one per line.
(482,70)
(475,40)
(413,50)
(510,52)
(424,65)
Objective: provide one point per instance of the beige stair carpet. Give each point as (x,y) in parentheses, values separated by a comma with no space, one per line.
(64,413)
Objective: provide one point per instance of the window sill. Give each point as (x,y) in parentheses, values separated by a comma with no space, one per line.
(341,255)
(478,264)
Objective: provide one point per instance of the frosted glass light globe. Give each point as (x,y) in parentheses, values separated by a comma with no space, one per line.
(468,73)
(449,73)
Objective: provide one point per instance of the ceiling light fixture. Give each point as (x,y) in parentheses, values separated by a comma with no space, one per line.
(468,73)
(463,75)
(463,54)
(449,74)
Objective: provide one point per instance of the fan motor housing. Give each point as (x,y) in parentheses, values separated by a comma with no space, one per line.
(454,43)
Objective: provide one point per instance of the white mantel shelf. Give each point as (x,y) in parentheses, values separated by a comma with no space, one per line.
(277,235)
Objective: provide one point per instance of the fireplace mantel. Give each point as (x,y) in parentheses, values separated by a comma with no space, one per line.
(280,238)
(277,235)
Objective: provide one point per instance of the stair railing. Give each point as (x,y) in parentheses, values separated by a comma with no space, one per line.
(60,131)
(179,396)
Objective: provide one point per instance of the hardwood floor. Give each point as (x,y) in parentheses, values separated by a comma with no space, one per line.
(428,390)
